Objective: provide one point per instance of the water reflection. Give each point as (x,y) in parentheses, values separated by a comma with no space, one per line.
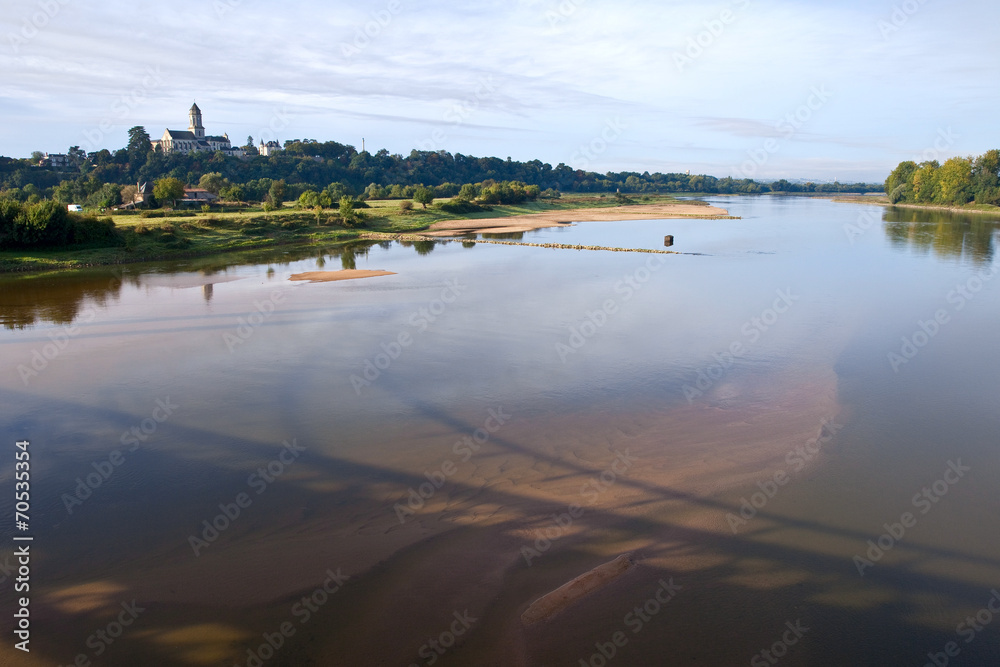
(59,298)
(954,236)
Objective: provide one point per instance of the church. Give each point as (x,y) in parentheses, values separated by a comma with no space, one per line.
(194,139)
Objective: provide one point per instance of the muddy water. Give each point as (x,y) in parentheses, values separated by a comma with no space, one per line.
(223,447)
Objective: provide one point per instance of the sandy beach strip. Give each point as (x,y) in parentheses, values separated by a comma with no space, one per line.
(531,221)
(332,276)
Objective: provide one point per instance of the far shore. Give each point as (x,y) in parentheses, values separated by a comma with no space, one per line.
(884,201)
(187,235)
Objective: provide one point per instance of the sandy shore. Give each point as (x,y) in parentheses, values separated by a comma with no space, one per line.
(525,223)
(332,276)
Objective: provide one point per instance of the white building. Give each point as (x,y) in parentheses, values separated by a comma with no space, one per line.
(270,148)
(194,139)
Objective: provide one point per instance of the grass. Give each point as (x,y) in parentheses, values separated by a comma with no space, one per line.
(180,236)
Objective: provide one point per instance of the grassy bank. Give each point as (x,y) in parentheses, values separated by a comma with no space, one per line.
(185,234)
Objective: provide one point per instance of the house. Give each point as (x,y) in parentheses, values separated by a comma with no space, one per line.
(197,196)
(194,139)
(270,148)
(143,195)
(55,160)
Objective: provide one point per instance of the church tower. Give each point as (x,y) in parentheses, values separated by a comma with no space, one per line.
(195,126)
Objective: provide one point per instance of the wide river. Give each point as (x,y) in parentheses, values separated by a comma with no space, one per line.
(791,427)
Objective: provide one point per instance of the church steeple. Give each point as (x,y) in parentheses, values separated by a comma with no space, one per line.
(194,120)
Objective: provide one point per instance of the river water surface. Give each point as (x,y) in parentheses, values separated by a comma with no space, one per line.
(791,426)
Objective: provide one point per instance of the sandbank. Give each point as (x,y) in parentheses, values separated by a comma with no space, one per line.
(522,223)
(346,274)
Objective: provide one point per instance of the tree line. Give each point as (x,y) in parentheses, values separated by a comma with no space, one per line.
(97,179)
(959,181)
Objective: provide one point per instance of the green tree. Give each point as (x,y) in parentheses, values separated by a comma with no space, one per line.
(233,193)
(924,182)
(213,182)
(308,199)
(276,193)
(954,182)
(897,185)
(168,188)
(986,177)
(423,196)
(138,146)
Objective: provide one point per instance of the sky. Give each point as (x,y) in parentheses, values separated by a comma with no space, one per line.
(796,89)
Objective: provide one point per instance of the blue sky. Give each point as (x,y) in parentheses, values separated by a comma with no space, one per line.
(768,89)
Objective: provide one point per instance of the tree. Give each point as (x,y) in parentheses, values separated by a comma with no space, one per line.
(233,193)
(986,177)
(128,194)
(138,146)
(250,141)
(309,199)
(37,156)
(924,182)
(897,185)
(423,196)
(213,182)
(954,182)
(277,193)
(170,189)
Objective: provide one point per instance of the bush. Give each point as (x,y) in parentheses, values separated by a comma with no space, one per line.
(406,206)
(461,206)
(94,231)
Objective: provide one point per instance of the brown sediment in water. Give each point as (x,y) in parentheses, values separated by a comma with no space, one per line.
(552,604)
(462,549)
(332,276)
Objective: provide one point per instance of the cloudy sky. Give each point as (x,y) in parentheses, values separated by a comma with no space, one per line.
(763,88)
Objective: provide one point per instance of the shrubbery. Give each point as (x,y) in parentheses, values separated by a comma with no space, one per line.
(48,224)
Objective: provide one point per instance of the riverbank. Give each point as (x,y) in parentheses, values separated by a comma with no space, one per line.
(981,209)
(186,236)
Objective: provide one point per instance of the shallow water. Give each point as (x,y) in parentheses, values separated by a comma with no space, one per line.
(589,353)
